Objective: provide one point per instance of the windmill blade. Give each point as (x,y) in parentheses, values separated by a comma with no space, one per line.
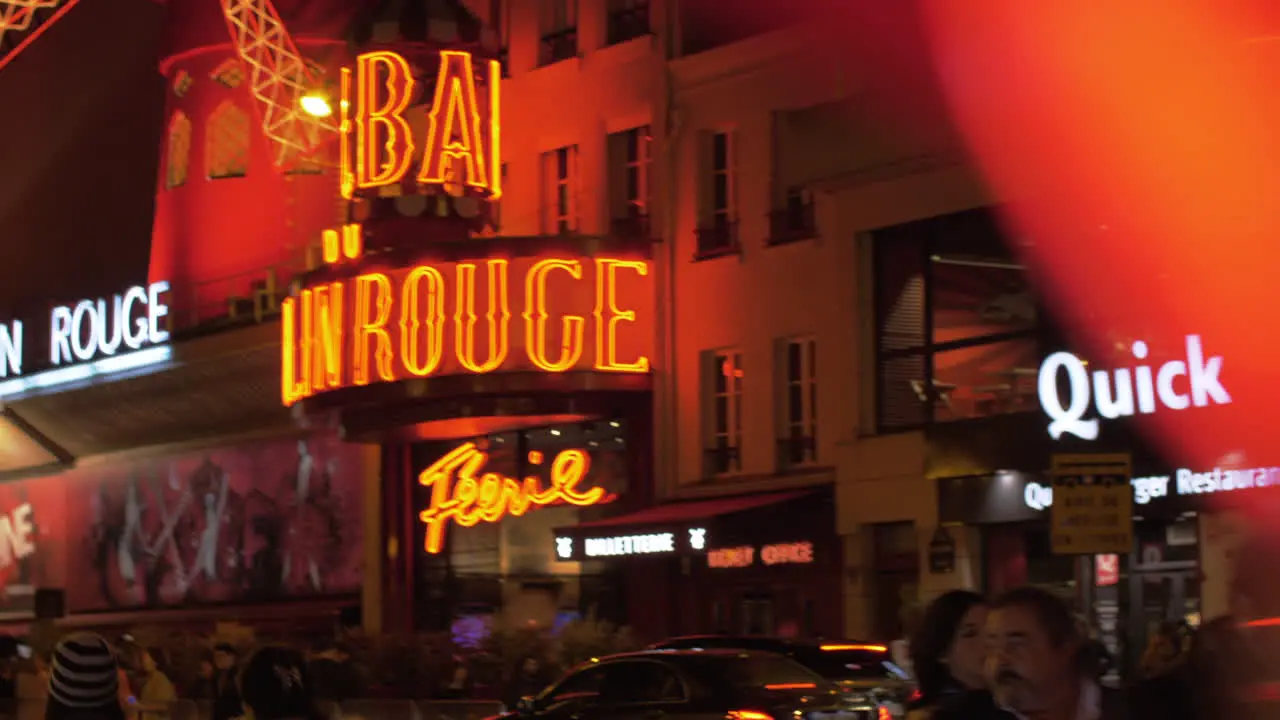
(22,21)
(278,80)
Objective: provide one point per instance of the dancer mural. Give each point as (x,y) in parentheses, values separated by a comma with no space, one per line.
(247,524)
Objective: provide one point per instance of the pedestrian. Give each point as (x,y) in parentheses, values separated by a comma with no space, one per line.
(156,694)
(1034,661)
(201,686)
(334,677)
(276,685)
(84,682)
(226,693)
(530,679)
(947,654)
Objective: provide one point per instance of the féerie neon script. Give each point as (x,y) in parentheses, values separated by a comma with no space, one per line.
(461,491)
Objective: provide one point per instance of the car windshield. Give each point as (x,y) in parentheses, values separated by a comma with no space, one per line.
(762,670)
(864,663)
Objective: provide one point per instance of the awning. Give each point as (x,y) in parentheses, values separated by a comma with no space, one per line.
(673,528)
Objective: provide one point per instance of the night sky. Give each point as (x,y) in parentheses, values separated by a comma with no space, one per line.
(82,112)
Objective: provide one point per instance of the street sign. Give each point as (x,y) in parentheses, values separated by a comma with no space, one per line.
(1092,510)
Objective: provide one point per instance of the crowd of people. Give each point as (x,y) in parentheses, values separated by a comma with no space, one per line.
(1025,654)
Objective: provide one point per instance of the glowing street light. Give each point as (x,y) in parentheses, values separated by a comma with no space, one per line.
(316,105)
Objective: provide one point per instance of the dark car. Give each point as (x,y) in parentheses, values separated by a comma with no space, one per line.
(689,685)
(865,671)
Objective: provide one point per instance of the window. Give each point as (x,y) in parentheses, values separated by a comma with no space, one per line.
(629,181)
(794,219)
(181,83)
(584,685)
(227,143)
(718,235)
(230,73)
(958,330)
(628,19)
(724,408)
(640,681)
(559,172)
(178,152)
(559,31)
(756,616)
(797,443)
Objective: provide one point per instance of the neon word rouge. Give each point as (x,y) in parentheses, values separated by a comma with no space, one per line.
(462,143)
(94,328)
(1202,382)
(462,492)
(380,327)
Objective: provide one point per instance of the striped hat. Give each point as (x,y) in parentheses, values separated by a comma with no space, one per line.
(85,674)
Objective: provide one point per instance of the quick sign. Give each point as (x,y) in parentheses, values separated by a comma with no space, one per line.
(1184,481)
(91,337)
(1123,392)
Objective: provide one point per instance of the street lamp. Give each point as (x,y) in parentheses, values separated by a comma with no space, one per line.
(316,105)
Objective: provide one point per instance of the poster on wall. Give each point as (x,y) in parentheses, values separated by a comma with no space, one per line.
(32,545)
(251,523)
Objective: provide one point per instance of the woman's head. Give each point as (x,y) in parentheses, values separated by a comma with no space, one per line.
(274,685)
(948,647)
(85,679)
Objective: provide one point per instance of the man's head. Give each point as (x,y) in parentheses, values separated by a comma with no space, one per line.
(1033,646)
(224,656)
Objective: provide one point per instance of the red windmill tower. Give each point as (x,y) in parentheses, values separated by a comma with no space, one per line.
(248,173)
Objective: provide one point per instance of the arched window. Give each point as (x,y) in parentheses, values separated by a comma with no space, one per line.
(230,73)
(227,142)
(178,152)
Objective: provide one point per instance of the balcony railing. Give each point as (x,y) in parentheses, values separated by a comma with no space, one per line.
(797,221)
(635,226)
(796,451)
(717,239)
(628,23)
(558,45)
(721,460)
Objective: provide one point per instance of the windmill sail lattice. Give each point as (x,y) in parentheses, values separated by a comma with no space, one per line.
(278,79)
(22,21)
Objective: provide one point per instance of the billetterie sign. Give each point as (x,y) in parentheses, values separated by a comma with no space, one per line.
(93,335)
(1126,391)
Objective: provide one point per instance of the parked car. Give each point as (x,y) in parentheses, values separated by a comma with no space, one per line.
(865,671)
(689,685)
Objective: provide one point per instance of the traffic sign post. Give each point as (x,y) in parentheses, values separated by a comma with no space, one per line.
(1092,510)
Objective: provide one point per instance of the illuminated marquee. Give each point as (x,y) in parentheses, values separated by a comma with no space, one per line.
(463,492)
(458,142)
(91,337)
(792,553)
(549,315)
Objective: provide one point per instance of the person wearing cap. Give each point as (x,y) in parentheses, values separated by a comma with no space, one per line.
(84,682)
(276,685)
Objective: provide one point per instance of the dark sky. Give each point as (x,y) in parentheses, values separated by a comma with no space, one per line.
(78,154)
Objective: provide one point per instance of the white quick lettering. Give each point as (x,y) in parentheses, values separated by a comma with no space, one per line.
(95,327)
(650,544)
(1040,497)
(1123,392)
(17,539)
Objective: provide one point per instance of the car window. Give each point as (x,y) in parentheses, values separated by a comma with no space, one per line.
(759,670)
(850,664)
(640,681)
(584,684)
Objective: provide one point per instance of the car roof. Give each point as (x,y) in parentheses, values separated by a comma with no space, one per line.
(659,653)
(765,640)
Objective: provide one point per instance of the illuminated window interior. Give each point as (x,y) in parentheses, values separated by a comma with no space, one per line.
(227,143)
(178,152)
(181,83)
(723,392)
(559,172)
(229,73)
(799,375)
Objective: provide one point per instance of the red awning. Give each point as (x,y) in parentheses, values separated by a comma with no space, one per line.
(694,510)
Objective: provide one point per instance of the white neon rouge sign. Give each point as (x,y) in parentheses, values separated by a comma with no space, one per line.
(92,337)
(1203,387)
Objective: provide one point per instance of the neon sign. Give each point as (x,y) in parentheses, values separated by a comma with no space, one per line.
(791,553)
(91,337)
(1203,387)
(456,317)
(463,492)
(461,145)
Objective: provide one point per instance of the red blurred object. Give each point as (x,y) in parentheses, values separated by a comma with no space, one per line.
(1106,570)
